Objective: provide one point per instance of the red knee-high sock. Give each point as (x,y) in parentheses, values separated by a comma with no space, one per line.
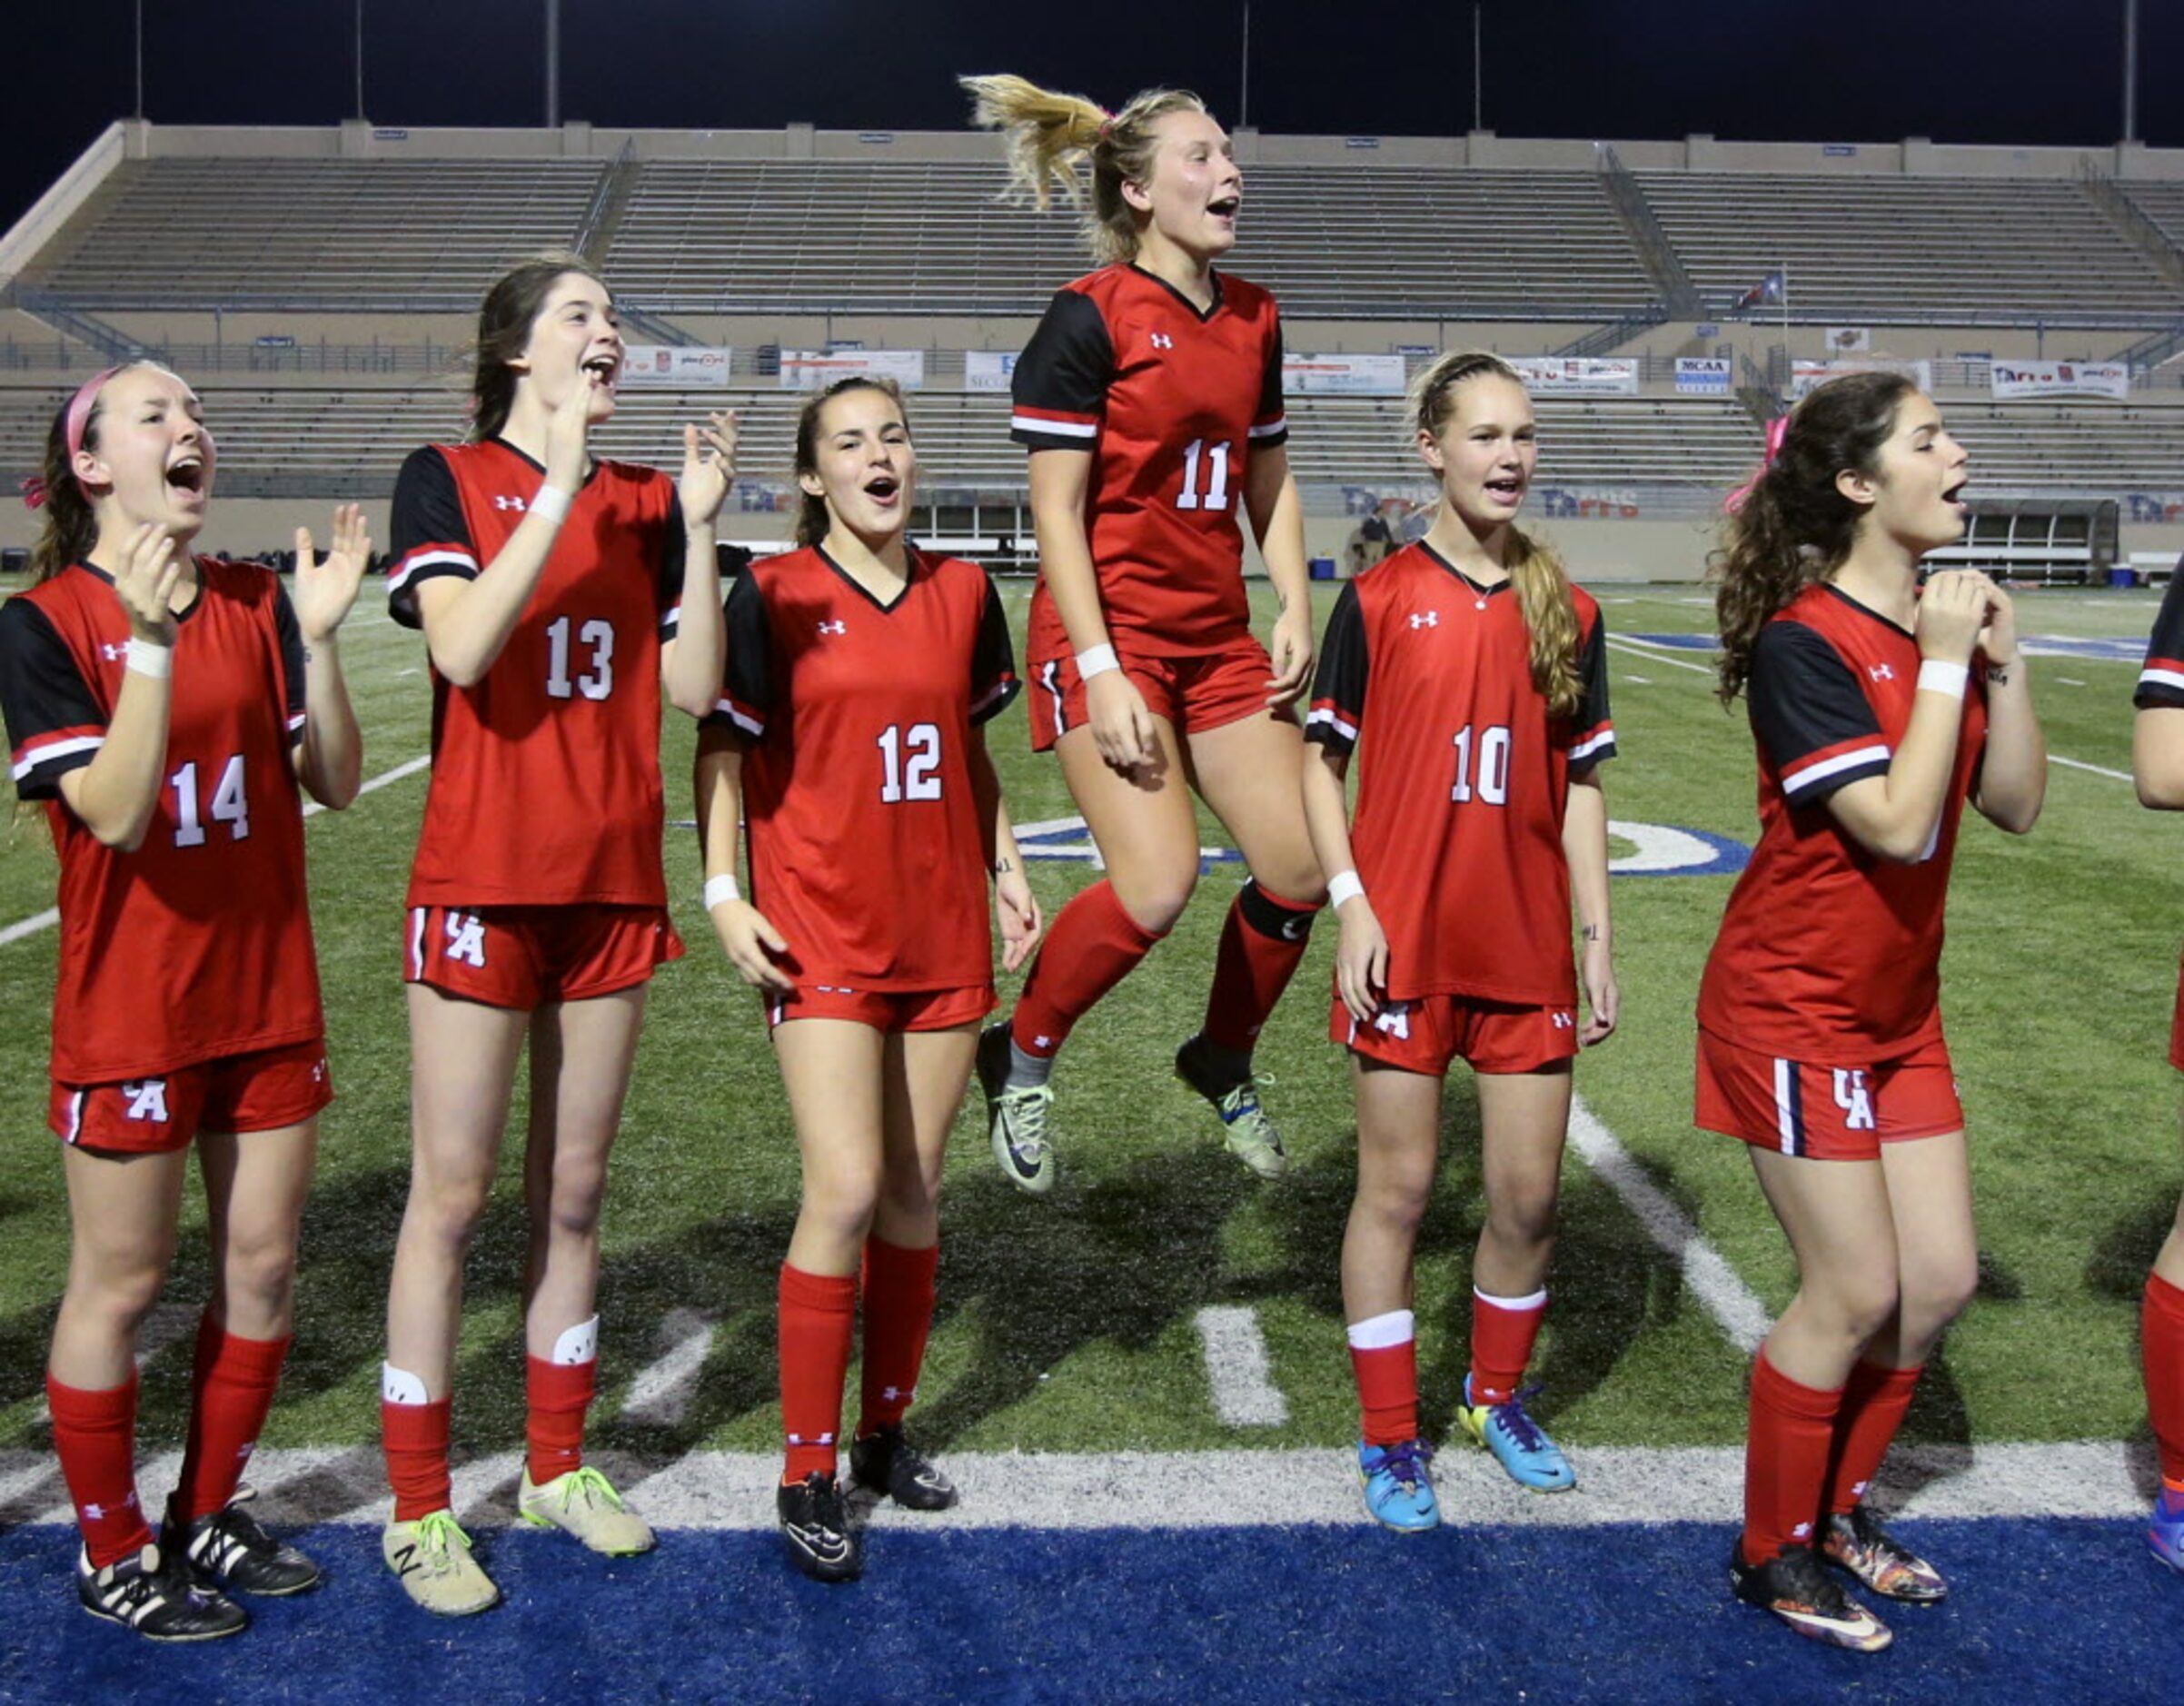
(819,1317)
(898,1313)
(415,1439)
(2161,1350)
(1387,1383)
(1503,1332)
(555,1397)
(1090,948)
(230,1398)
(1261,944)
(1873,1402)
(1786,1451)
(95,1434)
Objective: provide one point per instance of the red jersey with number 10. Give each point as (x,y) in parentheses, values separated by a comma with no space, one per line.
(1462,776)
(546,786)
(196,945)
(1171,401)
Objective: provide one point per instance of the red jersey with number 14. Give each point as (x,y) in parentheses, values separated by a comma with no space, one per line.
(546,786)
(1828,954)
(867,843)
(197,945)
(1171,401)
(1462,776)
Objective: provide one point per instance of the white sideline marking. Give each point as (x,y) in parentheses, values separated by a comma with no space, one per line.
(1640,679)
(1309,1486)
(664,1391)
(1245,1394)
(2096,769)
(1741,1315)
(2068,680)
(46,919)
(1654,654)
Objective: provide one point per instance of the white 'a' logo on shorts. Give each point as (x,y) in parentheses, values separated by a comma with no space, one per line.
(1394,1019)
(466,938)
(1852,1098)
(148,1100)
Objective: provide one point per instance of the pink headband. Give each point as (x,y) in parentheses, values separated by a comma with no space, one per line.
(34,491)
(1778,430)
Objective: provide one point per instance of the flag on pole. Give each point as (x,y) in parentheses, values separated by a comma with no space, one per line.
(1768,290)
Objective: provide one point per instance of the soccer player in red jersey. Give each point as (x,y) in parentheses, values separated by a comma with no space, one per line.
(550,585)
(1469,679)
(2157,766)
(1150,399)
(850,736)
(166,707)
(1877,709)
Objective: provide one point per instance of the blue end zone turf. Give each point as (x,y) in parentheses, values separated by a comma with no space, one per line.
(2062,1610)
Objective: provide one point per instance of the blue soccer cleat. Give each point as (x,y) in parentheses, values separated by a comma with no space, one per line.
(2165,1530)
(1518,1443)
(1398,1493)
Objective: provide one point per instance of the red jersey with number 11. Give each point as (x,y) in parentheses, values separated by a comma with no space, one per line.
(546,785)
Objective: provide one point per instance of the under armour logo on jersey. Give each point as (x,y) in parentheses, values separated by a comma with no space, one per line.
(837,627)
(1428,619)
(148,1100)
(1881,671)
(466,938)
(112,652)
(508,503)
(1803,1530)
(1566,1021)
(1161,341)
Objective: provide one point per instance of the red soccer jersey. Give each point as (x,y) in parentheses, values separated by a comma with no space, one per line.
(2161,680)
(1171,402)
(867,848)
(1828,954)
(1462,776)
(546,785)
(197,945)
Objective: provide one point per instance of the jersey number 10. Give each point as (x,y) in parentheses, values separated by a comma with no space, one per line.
(1491,784)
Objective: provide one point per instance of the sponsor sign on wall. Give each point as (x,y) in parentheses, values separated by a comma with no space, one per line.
(1577,375)
(688,367)
(808,369)
(1850,340)
(2059,379)
(988,370)
(1344,375)
(1805,375)
(1704,376)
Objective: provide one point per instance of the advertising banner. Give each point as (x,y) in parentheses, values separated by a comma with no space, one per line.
(1577,375)
(1704,376)
(2059,379)
(1344,375)
(686,367)
(808,369)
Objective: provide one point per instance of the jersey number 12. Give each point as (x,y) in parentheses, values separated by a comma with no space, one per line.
(910,762)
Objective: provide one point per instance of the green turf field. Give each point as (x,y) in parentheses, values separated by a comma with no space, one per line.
(1068,1324)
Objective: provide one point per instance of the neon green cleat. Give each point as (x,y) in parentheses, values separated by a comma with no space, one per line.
(1249,1134)
(584,1502)
(432,1558)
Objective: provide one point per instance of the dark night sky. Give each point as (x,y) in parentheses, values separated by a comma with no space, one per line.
(2005,71)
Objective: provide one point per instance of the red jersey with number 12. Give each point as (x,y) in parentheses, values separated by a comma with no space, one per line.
(546,786)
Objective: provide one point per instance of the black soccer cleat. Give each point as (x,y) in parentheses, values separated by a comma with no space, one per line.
(817,1531)
(230,1552)
(1797,1588)
(886,1462)
(156,1594)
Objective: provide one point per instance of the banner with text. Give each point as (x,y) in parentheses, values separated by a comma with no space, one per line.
(808,369)
(1804,376)
(2060,379)
(1704,376)
(1577,375)
(1344,375)
(688,367)
(988,370)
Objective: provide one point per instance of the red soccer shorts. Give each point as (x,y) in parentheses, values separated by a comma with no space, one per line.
(888,1010)
(522,958)
(1829,1113)
(1208,690)
(1490,1036)
(261,1091)
(2176,1030)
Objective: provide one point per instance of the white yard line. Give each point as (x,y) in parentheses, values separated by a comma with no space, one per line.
(1228,1488)
(1245,1394)
(1735,1309)
(662,1392)
(2092,769)
(1656,654)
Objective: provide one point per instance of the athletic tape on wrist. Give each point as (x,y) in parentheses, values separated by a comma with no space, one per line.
(1937,677)
(719,889)
(1095,660)
(550,501)
(1342,886)
(146,659)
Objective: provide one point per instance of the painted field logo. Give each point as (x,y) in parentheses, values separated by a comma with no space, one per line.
(1635,849)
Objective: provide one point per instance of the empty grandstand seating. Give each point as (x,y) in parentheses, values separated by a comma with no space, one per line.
(1954,251)
(785,236)
(2163,203)
(386,233)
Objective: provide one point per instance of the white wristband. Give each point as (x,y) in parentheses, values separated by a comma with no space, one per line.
(1342,886)
(550,501)
(719,889)
(1095,660)
(145,658)
(1937,677)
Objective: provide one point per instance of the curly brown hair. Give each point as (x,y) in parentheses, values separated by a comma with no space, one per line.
(1795,527)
